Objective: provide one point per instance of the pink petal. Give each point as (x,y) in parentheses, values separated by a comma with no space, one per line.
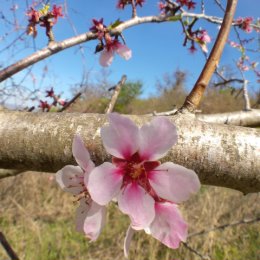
(138,204)
(120,137)
(104,183)
(124,52)
(174,182)
(168,225)
(90,219)
(157,138)
(70,178)
(81,154)
(128,238)
(106,58)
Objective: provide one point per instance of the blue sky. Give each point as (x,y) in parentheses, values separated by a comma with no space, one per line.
(157,48)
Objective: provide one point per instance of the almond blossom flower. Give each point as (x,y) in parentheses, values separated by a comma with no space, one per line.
(112,47)
(145,189)
(203,39)
(90,216)
(245,23)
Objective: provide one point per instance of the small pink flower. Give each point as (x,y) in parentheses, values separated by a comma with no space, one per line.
(56,12)
(90,216)
(107,55)
(145,189)
(245,23)
(203,39)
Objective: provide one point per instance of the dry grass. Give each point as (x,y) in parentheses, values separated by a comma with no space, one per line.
(37,219)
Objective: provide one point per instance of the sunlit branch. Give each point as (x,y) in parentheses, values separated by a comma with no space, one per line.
(195,96)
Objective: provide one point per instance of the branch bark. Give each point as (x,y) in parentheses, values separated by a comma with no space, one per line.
(227,156)
(240,118)
(193,99)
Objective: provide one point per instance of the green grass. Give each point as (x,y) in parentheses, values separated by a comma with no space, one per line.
(38,221)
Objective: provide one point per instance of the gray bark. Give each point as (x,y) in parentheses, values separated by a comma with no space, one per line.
(221,155)
(239,118)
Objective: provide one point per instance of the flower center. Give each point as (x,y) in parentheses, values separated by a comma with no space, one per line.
(135,170)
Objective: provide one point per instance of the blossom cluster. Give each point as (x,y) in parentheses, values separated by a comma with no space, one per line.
(146,190)
(122,3)
(245,23)
(45,18)
(201,37)
(167,7)
(108,45)
(56,101)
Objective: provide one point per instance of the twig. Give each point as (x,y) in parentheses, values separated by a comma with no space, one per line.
(88,36)
(116,89)
(8,247)
(70,102)
(196,252)
(243,221)
(195,96)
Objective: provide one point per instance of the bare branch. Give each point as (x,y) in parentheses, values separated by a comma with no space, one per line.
(9,250)
(56,47)
(240,222)
(194,98)
(204,257)
(227,156)
(239,118)
(116,89)
(68,104)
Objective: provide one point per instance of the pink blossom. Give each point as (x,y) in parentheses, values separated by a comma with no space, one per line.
(168,227)
(203,39)
(145,189)
(90,216)
(245,23)
(107,55)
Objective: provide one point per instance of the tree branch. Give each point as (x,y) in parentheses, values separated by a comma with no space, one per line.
(9,250)
(56,47)
(115,95)
(227,156)
(240,118)
(194,98)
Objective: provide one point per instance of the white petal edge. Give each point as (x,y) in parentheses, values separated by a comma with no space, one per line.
(127,241)
(71,179)
(81,154)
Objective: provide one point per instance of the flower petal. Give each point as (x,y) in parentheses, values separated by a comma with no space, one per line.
(124,52)
(168,225)
(104,183)
(174,182)
(128,238)
(157,138)
(106,58)
(90,219)
(138,204)
(120,137)
(81,154)
(71,179)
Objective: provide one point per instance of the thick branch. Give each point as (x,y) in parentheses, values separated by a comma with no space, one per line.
(239,118)
(222,155)
(194,98)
